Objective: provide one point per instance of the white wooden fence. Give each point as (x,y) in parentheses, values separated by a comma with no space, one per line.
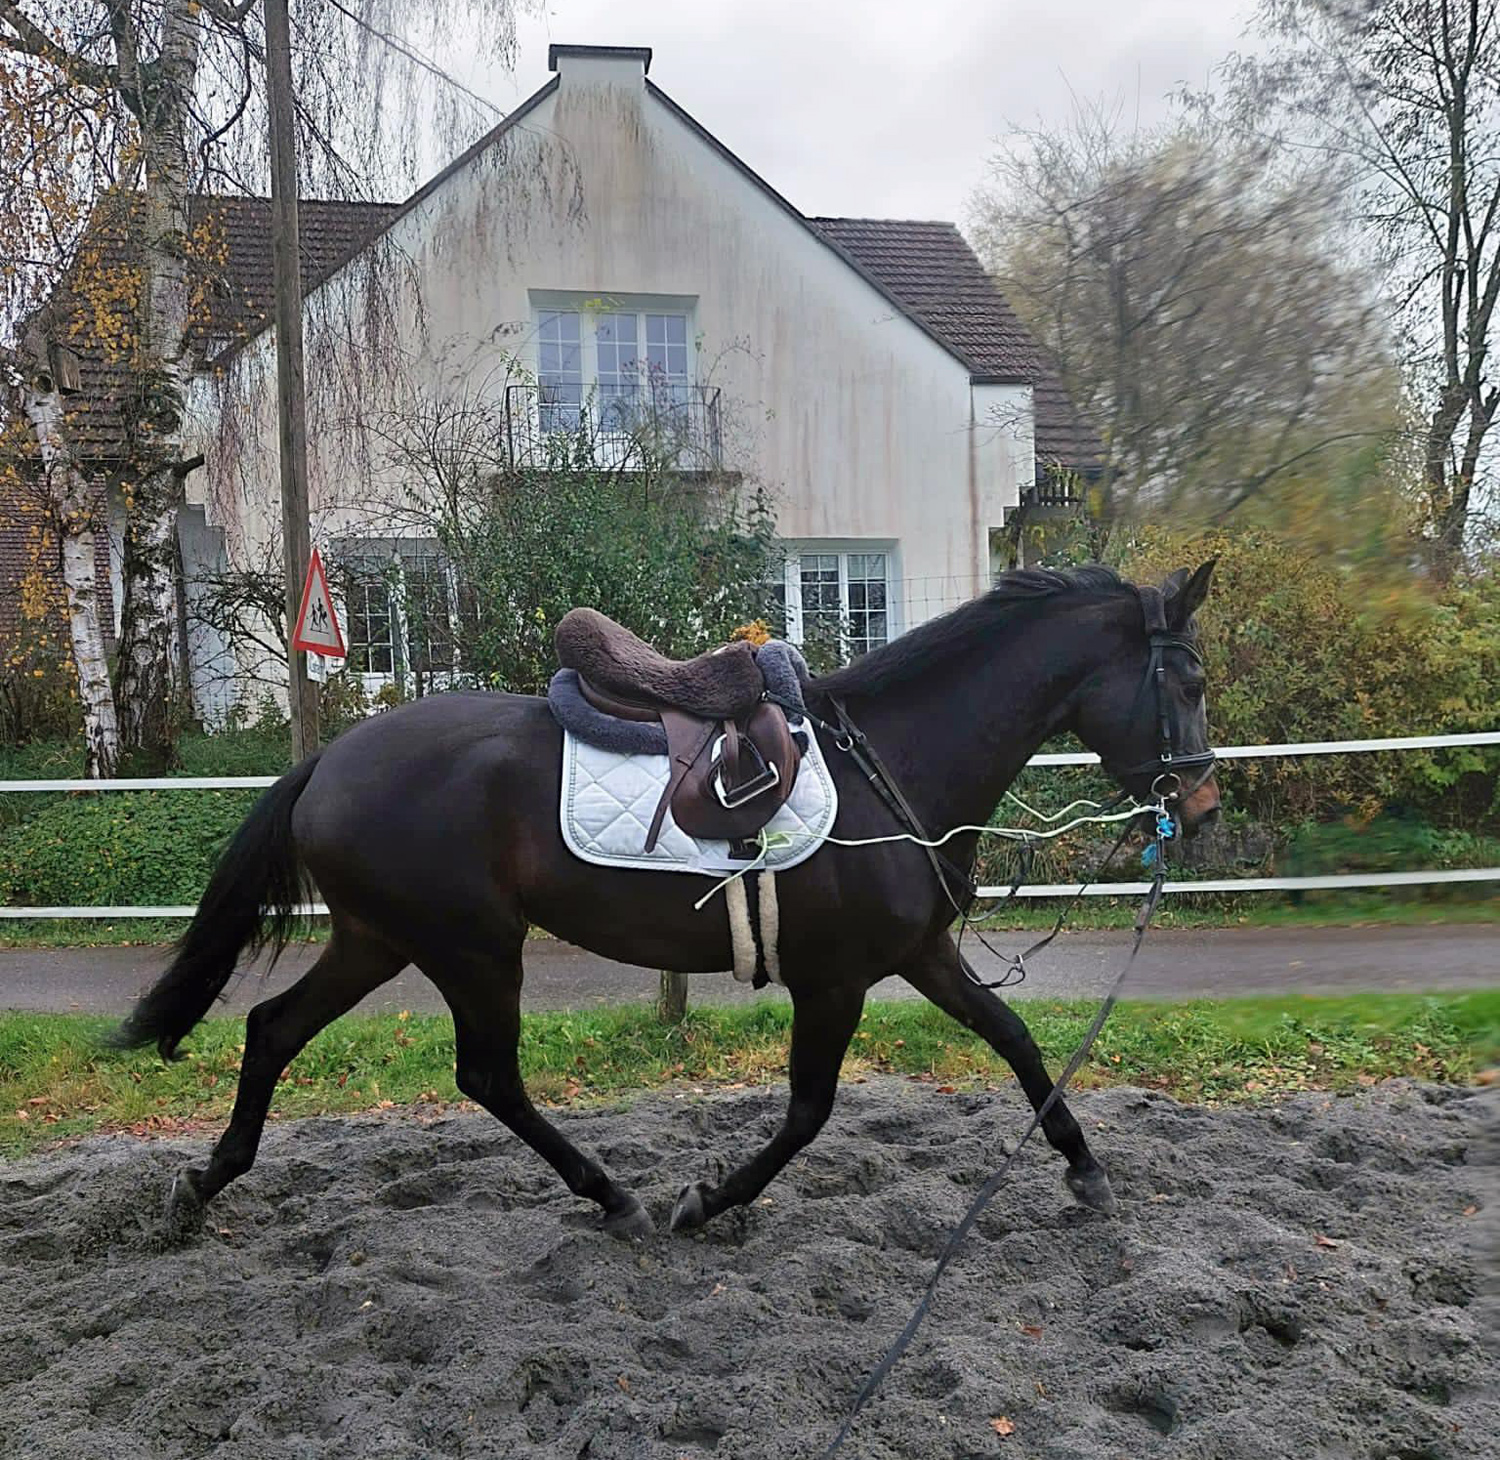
(1104,889)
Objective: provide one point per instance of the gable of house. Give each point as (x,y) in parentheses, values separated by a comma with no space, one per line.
(930,268)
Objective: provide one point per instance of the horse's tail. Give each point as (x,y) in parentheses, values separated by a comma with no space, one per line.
(251,902)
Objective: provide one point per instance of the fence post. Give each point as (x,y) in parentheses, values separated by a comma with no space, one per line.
(671,1002)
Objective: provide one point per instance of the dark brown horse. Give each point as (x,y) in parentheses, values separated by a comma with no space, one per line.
(432,834)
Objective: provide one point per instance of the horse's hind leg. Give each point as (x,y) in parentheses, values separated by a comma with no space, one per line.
(484,993)
(938,972)
(823,1022)
(351,966)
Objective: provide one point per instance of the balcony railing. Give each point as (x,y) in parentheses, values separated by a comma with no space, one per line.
(620,428)
(1054,490)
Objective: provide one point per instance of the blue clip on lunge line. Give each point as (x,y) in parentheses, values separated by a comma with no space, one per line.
(1166,829)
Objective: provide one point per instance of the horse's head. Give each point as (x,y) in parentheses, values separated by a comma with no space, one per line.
(1144,711)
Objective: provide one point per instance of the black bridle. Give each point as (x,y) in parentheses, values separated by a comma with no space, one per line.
(1170,761)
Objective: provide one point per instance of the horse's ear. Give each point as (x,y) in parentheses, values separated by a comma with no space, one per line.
(1184,594)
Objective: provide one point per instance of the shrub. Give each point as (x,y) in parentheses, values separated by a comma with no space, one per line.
(1383,844)
(38,694)
(259,750)
(114,848)
(680,562)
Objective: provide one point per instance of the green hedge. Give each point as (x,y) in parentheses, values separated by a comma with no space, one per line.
(118,847)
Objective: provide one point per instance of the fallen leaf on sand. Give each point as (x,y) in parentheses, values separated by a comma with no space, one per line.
(1470,1210)
(1002,1426)
(624,1383)
(1326,1241)
(1032,1330)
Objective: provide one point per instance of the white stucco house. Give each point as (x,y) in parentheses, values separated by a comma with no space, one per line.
(601,251)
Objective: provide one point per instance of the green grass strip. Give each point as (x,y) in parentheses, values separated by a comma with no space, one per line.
(58,1081)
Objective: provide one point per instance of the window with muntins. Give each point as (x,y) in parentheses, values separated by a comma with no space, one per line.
(399,611)
(559,369)
(835,602)
(636,363)
(372,642)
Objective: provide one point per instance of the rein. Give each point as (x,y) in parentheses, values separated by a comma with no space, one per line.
(1168,763)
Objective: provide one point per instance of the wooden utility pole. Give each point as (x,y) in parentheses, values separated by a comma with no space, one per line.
(291,403)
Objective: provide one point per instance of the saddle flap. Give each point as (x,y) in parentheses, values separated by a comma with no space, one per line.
(717,799)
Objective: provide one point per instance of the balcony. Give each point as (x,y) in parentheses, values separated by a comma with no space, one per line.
(1055,490)
(652,426)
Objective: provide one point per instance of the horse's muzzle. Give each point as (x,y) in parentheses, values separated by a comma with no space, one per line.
(1200,807)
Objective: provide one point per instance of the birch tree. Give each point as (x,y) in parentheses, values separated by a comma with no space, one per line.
(166,95)
(51,139)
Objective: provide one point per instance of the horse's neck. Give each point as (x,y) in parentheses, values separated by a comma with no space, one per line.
(955,739)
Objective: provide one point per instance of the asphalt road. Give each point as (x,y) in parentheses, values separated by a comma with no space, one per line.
(1174,964)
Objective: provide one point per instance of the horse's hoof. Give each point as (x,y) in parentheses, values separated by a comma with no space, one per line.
(183,1218)
(630,1224)
(691,1211)
(1091,1189)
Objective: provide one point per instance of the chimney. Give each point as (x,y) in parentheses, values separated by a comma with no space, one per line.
(601,65)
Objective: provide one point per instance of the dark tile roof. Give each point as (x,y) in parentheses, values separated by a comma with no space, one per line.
(933,273)
(28,545)
(231,284)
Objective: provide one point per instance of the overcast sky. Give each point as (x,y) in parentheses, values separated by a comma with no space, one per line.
(885,109)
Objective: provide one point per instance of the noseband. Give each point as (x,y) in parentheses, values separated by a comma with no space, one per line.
(1170,763)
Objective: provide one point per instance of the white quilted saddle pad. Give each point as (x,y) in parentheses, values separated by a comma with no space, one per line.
(608,801)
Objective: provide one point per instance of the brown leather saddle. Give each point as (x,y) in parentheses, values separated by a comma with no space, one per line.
(734,759)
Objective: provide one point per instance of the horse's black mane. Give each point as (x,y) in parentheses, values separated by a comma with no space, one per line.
(954,632)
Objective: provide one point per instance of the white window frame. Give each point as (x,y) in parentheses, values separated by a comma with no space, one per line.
(591,308)
(388,550)
(843,549)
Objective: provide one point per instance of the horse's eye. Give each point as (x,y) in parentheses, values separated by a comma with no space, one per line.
(1193,692)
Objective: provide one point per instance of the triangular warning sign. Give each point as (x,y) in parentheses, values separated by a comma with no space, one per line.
(317,624)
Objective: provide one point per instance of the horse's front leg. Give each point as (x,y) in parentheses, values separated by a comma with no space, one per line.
(823,1022)
(938,972)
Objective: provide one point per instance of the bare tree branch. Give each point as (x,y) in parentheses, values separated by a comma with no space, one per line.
(32,40)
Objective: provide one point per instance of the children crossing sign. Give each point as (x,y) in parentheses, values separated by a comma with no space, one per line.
(317,624)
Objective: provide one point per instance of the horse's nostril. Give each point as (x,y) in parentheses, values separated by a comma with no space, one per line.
(1207,819)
